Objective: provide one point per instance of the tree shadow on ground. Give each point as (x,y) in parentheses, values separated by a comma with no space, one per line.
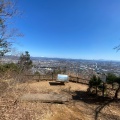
(56,83)
(100,101)
(89,98)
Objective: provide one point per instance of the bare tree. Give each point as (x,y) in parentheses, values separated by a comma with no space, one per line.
(7,11)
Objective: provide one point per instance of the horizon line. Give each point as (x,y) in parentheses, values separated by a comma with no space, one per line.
(68,58)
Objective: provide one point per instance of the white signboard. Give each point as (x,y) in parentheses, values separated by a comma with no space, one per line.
(62,78)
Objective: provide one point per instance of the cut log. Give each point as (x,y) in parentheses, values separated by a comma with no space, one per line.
(47,98)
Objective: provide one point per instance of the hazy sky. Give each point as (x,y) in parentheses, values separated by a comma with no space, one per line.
(86,29)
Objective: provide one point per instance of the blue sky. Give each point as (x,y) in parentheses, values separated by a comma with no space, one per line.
(85,29)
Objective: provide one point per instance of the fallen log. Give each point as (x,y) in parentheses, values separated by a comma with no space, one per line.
(47,98)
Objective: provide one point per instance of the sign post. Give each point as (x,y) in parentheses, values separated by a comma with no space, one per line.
(103,78)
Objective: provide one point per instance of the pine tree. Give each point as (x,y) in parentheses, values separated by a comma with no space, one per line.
(24,61)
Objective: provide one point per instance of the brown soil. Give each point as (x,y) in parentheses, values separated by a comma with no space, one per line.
(81,106)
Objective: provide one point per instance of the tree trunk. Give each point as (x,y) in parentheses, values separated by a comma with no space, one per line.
(89,89)
(103,89)
(96,90)
(112,85)
(116,93)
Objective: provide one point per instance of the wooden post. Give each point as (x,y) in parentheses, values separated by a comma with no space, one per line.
(52,76)
(96,89)
(77,80)
(39,77)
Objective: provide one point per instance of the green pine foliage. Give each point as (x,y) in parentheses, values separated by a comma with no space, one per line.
(94,81)
(9,66)
(111,78)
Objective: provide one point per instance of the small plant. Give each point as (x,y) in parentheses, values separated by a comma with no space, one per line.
(110,79)
(36,73)
(94,82)
(117,80)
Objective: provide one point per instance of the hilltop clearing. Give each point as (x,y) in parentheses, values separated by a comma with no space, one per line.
(81,105)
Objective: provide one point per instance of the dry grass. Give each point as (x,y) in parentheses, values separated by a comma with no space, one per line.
(78,109)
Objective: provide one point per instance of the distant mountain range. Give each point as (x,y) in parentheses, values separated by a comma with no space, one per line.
(50,58)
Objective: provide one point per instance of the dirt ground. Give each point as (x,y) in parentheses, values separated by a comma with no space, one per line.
(81,105)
